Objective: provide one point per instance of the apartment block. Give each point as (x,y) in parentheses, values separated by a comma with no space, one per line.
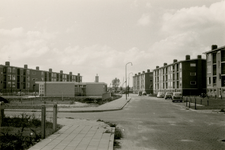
(16,79)
(187,76)
(216,71)
(143,82)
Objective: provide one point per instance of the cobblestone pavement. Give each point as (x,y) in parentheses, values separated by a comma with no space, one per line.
(79,135)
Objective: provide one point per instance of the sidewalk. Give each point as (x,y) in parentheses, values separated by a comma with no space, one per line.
(77,134)
(111,106)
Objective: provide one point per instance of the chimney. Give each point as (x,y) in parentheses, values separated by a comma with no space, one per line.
(175,60)
(157,67)
(188,57)
(7,63)
(78,74)
(96,78)
(25,66)
(199,56)
(214,47)
(71,73)
(61,71)
(148,70)
(165,64)
(50,69)
(37,68)
(139,73)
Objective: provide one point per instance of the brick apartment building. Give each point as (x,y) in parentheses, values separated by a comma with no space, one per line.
(187,76)
(15,79)
(215,59)
(143,82)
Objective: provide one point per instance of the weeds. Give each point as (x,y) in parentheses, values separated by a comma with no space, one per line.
(118,134)
(222,110)
(22,131)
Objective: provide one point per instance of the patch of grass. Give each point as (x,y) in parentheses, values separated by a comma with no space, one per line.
(22,131)
(118,134)
(205,103)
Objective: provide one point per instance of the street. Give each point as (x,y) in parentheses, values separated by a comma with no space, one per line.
(151,123)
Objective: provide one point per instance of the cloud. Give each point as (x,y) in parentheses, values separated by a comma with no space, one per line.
(144,20)
(194,19)
(15,32)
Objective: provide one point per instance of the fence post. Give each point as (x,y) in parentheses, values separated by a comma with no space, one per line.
(43,120)
(189,102)
(186,101)
(55,117)
(1,113)
(207,102)
(195,103)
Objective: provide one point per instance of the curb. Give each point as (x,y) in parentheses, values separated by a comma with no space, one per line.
(71,111)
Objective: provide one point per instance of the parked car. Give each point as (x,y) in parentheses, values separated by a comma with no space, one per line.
(20,93)
(177,97)
(160,95)
(168,95)
(144,93)
(3,100)
(139,93)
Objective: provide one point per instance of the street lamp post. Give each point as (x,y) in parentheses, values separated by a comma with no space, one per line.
(126,76)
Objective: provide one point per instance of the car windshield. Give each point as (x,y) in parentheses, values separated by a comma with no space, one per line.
(177,94)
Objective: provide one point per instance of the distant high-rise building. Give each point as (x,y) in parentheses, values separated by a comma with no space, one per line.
(143,82)
(187,76)
(16,79)
(216,71)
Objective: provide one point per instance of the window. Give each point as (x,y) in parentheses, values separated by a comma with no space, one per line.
(13,77)
(14,70)
(192,73)
(209,80)
(209,69)
(193,82)
(193,64)
(9,69)
(209,57)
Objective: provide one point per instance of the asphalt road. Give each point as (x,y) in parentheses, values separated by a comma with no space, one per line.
(156,124)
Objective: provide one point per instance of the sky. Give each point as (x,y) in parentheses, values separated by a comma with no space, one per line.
(101,37)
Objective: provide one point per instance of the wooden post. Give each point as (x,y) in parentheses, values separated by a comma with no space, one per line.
(43,119)
(189,102)
(186,101)
(55,117)
(1,113)
(195,103)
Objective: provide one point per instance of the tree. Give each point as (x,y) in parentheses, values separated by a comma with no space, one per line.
(115,84)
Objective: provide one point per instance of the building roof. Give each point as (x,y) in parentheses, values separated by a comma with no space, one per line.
(76,83)
(214,50)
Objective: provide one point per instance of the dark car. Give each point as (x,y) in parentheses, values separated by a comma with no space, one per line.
(177,97)
(3,100)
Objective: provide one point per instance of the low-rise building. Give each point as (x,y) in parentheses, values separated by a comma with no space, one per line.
(71,89)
